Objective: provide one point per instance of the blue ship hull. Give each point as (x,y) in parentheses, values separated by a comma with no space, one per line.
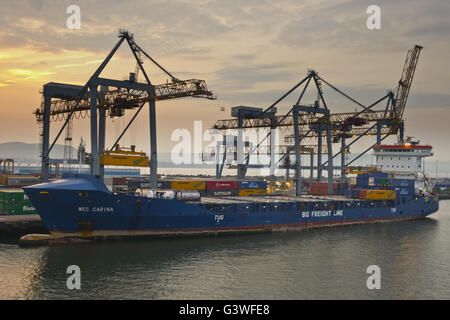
(82,206)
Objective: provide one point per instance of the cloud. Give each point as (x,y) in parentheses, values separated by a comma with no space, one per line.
(249,51)
(165,27)
(343,25)
(242,77)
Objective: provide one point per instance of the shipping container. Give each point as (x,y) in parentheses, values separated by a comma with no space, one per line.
(24,207)
(362,194)
(397,183)
(321,188)
(188,185)
(251,192)
(119,180)
(252,185)
(222,193)
(134,184)
(379,175)
(355,193)
(405,191)
(221,185)
(372,179)
(119,188)
(349,192)
(318,192)
(13,195)
(380,195)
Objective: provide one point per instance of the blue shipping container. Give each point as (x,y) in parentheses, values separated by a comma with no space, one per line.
(408,183)
(252,184)
(348,193)
(355,193)
(379,175)
(405,191)
(371,180)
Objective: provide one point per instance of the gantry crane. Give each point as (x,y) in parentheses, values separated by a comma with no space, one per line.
(315,123)
(65,101)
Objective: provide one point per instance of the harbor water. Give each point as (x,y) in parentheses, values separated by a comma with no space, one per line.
(326,263)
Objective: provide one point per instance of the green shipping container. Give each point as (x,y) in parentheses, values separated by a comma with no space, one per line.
(20,209)
(15,201)
(8,204)
(13,195)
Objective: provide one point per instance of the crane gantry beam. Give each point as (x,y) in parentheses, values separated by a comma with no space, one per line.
(129,99)
(304,119)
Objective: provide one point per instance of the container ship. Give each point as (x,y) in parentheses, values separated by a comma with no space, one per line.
(80,205)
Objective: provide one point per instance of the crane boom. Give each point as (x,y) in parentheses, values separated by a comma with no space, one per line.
(404,85)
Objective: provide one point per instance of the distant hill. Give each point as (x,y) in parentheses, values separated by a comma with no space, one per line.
(29,152)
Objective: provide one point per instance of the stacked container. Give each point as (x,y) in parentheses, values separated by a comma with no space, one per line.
(371,194)
(352,193)
(198,185)
(250,188)
(216,188)
(137,183)
(14,202)
(321,188)
(372,180)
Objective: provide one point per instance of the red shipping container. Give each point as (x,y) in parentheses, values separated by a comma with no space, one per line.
(221,185)
(362,194)
(119,181)
(318,192)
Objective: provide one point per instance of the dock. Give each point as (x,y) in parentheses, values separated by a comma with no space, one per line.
(19,225)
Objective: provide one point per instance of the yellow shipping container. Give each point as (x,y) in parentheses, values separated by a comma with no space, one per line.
(188,185)
(381,195)
(124,158)
(251,192)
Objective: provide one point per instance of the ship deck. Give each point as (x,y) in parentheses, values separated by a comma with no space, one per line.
(269,199)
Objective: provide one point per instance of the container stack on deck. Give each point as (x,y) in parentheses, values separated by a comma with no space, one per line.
(217,188)
(251,188)
(214,188)
(15,202)
(380,186)
(320,188)
(209,188)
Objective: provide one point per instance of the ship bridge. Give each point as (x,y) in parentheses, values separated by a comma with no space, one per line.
(402,158)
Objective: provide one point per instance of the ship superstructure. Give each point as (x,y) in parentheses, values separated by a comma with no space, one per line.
(405,160)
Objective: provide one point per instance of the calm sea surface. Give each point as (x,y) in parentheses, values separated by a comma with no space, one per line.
(328,263)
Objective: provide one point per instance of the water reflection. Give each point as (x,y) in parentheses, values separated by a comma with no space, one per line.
(325,263)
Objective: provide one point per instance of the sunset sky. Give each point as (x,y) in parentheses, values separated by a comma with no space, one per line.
(249,52)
